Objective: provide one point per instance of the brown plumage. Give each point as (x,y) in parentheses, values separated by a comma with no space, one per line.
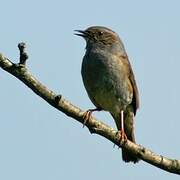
(109,80)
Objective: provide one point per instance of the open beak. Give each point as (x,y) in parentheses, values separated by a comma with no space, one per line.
(80,33)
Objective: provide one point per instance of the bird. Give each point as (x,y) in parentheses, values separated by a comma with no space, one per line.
(109,80)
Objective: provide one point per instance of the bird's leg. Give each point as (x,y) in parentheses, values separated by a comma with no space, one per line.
(88,113)
(122,132)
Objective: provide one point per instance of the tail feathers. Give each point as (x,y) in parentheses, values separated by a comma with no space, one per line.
(129,130)
(128,156)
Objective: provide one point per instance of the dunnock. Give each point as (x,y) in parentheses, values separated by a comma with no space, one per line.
(109,80)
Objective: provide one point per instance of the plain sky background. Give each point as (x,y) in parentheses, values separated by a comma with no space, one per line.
(39,142)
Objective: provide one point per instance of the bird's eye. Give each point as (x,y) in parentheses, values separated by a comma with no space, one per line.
(100,33)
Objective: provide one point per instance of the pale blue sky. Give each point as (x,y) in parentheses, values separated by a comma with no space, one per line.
(38,142)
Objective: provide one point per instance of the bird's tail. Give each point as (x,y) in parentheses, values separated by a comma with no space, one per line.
(129,131)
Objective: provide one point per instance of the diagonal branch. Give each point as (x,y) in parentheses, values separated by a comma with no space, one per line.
(95,126)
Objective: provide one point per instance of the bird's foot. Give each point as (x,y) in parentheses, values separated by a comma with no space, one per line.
(121,136)
(87,115)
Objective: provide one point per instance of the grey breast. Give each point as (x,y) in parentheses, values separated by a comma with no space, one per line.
(105,80)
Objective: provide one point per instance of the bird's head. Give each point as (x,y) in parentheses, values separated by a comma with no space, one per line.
(98,35)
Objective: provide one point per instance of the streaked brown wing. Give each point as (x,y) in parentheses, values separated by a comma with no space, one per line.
(135,101)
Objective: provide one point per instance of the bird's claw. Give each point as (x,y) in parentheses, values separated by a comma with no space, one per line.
(86,117)
(121,136)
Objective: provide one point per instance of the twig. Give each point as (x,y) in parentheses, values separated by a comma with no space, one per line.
(95,126)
